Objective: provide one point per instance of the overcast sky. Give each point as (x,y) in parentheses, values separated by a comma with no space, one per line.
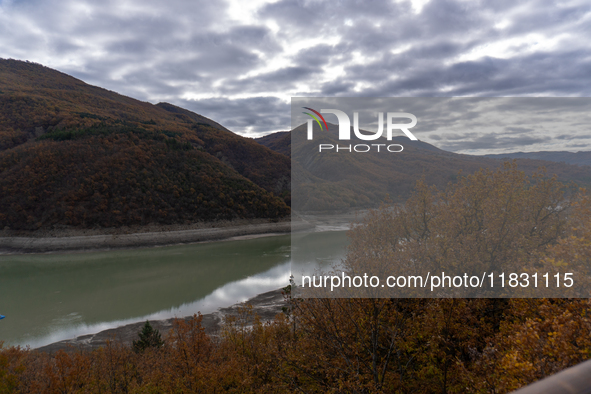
(468,125)
(239,62)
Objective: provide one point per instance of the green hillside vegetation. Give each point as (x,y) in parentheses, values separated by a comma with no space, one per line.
(78,155)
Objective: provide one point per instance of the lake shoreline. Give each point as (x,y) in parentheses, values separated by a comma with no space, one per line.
(149,236)
(266,305)
(81,240)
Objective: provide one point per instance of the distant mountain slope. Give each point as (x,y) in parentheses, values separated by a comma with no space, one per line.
(579,158)
(342,181)
(279,142)
(78,155)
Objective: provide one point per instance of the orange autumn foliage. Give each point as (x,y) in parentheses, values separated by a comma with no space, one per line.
(361,345)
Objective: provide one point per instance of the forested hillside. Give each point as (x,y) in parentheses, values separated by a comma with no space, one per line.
(279,142)
(77,155)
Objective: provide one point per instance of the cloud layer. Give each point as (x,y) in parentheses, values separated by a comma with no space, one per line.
(240,62)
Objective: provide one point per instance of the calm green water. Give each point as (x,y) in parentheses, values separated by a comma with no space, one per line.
(51,297)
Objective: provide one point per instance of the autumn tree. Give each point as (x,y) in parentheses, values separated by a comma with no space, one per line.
(487,222)
(490,221)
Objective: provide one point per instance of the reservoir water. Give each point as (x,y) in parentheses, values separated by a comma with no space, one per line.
(51,297)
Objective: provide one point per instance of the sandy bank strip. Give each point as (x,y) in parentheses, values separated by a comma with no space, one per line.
(110,241)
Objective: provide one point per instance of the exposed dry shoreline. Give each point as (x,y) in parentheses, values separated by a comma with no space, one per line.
(266,306)
(76,240)
(70,239)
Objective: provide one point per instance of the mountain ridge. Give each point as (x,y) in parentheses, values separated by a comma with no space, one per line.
(342,181)
(579,158)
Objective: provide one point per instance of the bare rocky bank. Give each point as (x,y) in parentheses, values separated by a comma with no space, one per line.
(266,306)
(65,239)
(75,240)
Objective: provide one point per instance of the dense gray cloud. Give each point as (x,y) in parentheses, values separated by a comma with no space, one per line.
(240,62)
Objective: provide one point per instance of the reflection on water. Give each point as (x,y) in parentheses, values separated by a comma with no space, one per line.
(315,252)
(231,293)
(51,297)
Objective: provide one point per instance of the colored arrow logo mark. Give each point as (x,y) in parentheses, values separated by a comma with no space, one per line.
(315,118)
